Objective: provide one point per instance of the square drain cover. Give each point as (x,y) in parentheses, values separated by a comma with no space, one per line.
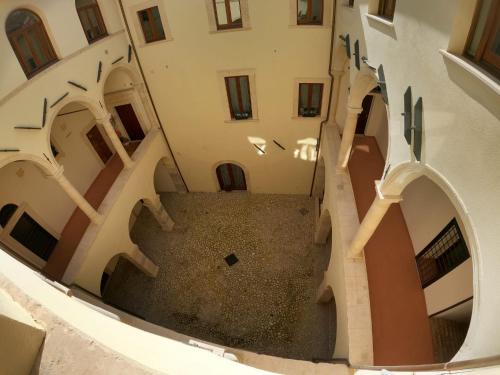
(231,259)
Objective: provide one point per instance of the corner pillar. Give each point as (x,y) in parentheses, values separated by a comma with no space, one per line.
(142,262)
(348,136)
(160,213)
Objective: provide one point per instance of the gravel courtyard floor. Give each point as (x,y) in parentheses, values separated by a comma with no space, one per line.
(263,303)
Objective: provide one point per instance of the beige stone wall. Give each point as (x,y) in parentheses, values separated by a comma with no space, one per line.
(183,76)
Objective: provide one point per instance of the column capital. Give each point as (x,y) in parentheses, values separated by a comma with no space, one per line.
(57,172)
(105,119)
(389,199)
(354,110)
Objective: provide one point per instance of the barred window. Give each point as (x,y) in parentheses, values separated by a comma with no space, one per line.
(443,254)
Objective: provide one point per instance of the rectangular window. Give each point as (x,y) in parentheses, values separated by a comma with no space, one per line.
(152,27)
(33,236)
(351,3)
(92,22)
(310,98)
(238,94)
(484,38)
(386,8)
(228,14)
(309,12)
(444,253)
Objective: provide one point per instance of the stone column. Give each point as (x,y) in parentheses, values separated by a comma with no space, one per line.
(348,136)
(75,195)
(117,144)
(370,223)
(337,76)
(141,261)
(161,215)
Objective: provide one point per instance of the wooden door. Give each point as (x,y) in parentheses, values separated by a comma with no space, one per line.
(130,122)
(231,177)
(363,116)
(99,144)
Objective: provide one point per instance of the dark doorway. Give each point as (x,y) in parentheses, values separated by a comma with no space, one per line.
(99,144)
(363,116)
(130,122)
(231,177)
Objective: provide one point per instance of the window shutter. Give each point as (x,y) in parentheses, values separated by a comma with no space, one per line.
(417,131)
(382,84)
(356,54)
(347,41)
(407,115)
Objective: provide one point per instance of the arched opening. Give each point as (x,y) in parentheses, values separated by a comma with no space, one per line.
(29,40)
(439,241)
(83,148)
(116,289)
(33,212)
(420,272)
(164,178)
(91,19)
(231,177)
(128,112)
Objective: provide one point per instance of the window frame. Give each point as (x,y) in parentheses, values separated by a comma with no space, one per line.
(230,25)
(152,24)
(383,6)
(487,37)
(47,48)
(453,224)
(309,20)
(99,18)
(239,94)
(309,98)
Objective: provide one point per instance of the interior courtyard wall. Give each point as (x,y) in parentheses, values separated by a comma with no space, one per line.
(192,105)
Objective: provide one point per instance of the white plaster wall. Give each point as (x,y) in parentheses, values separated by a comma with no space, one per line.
(162,180)
(182,74)
(341,113)
(23,182)
(461,130)
(451,289)
(81,162)
(377,124)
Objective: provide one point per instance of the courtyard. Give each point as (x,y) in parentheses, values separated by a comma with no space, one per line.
(238,269)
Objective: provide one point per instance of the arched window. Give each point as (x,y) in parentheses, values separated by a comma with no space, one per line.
(6,213)
(29,40)
(231,177)
(91,19)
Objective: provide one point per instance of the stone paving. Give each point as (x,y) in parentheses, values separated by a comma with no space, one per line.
(264,303)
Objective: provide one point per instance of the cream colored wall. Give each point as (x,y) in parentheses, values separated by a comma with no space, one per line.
(81,162)
(182,74)
(23,182)
(63,27)
(162,180)
(377,124)
(461,129)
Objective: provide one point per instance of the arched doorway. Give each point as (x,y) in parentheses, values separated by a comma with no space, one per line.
(231,177)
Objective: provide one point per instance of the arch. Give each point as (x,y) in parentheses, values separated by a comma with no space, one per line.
(323,227)
(6,212)
(404,174)
(364,82)
(44,166)
(164,176)
(231,176)
(29,40)
(132,74)
(91,19)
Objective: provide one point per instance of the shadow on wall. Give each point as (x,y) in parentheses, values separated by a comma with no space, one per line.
(482,93)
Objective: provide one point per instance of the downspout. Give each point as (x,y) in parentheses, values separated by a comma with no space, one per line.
(149,92)
(324,122)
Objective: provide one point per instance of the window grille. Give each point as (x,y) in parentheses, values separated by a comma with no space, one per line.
(443,254)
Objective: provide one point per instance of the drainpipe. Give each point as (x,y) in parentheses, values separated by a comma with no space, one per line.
(148,91)
(324,122)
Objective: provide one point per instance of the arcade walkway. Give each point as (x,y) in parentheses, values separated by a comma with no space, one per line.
(401,330)
(78,223)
